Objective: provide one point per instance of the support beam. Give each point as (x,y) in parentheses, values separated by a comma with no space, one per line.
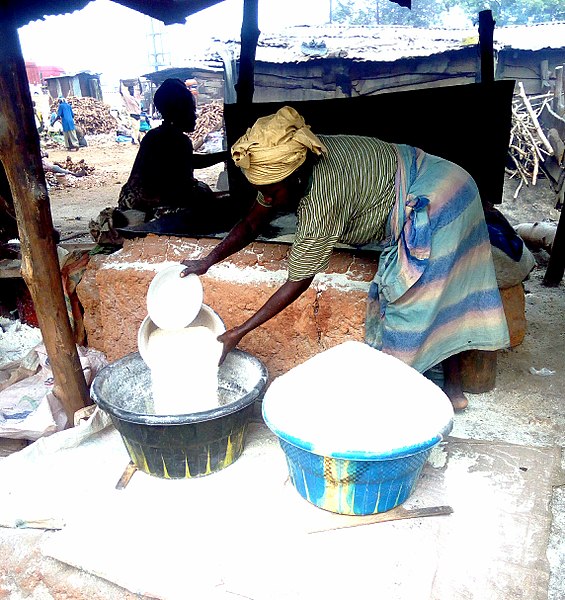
(556,266)
(240,189)
(486,44)
(245,86)
(20,155)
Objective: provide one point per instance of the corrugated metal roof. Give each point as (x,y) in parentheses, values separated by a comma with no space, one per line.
(531,37)
(63,75)
(388,44)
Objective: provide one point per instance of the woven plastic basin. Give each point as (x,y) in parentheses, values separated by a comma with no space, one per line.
(356,486)
(180,446)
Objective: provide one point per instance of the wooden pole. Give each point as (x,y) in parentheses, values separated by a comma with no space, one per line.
(245,86)
(20,155)
(240,190)
(556,266)
(558,102)
(486,44)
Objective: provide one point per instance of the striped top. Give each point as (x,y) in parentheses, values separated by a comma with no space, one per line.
(351,195)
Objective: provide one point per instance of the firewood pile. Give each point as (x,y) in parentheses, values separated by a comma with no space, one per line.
(80,167)
(529,146)
(210,118)
(93,116)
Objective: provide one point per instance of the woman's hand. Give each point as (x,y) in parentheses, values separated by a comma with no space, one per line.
(196,267)
(230,339)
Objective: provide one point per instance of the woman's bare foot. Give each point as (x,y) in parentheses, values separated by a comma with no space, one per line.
(457,398)
(452,383)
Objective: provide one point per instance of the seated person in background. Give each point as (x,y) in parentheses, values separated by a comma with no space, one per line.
(49,167)
(162,176)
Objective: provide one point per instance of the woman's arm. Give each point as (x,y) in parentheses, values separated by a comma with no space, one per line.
(201,161)
(283,297)
(241,234)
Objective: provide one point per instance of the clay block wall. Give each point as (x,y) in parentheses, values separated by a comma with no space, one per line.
(113,293)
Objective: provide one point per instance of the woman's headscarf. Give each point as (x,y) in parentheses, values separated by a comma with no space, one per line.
(171,97)
(275,147)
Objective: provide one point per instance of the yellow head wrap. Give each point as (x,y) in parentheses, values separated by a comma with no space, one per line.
(275,147)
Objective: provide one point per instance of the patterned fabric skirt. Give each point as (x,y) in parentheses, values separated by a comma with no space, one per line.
(435,292)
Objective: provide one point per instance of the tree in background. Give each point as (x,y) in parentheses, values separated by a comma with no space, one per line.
(438,13)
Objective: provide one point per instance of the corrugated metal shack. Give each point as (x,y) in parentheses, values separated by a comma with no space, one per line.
(208,73)
(530,54)
(80,84)
(314,63)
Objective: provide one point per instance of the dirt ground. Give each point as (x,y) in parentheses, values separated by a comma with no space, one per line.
(75,201)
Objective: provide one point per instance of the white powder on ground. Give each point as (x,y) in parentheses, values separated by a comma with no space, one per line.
(184,369)
(355,398)
(16,340)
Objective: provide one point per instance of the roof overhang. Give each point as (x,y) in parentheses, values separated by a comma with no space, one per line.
(167,11)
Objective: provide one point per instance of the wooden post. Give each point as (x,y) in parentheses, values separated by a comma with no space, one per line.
(486,44)
(240,190)
(245,86)
(558,102)
(556,266)
(544,76)
(20,155)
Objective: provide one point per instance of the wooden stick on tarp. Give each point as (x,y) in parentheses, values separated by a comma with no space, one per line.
(20,155)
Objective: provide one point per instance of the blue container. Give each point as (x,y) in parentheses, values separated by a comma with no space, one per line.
(355,483)
(353,447)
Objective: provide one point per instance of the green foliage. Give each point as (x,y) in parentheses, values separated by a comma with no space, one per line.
(429,13)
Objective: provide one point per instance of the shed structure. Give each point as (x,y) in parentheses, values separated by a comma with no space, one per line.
(80,85)
(333,61)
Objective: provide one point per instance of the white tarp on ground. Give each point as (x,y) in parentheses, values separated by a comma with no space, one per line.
(246,532)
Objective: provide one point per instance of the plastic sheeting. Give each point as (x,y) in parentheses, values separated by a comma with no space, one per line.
(245,531)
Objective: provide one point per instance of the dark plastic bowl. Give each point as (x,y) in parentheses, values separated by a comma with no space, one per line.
(179,446)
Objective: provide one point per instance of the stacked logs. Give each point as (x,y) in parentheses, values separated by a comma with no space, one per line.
(91,115)
(210,118)
(529,146)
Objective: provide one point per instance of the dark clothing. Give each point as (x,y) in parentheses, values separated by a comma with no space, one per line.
(162,185)
(162,174)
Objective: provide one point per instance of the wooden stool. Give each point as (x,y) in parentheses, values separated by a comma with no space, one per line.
(478,367)
(478,370)
(514,303)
